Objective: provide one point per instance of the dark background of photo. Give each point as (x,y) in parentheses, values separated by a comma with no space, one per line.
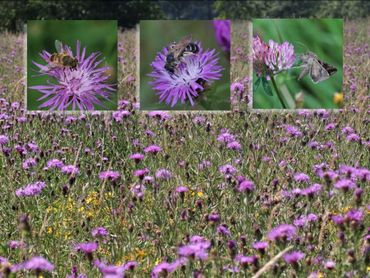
(14,14)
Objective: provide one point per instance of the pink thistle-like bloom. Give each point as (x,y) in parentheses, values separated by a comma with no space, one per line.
(109,175)
(38,264)
(293,257)
(152,149)
(83,88)
(86,247)
(188,79)
(70,170)
(30,190)
(282,232)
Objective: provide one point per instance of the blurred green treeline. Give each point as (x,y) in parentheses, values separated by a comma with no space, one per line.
(14,14)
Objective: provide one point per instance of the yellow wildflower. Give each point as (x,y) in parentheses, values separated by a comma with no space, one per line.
(338,98)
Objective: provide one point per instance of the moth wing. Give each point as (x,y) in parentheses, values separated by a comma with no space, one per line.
(318,73)
(329,68)
(305,71)
(59,46)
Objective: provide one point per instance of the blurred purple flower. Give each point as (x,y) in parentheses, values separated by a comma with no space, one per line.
(223,33)
(70,170)
(152,149)
(189,78)
(282,232)
(294,257)
(86,247)
(31,189)
(38,264)
(81,88)
(109,175)
(99,232)
(163,174)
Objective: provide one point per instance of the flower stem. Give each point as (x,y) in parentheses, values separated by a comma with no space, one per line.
(278,93)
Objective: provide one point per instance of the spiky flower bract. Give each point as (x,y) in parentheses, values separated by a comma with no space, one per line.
(83,88)
(189,78)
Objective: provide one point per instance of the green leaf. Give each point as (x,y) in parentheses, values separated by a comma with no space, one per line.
(256,84)
(266,86)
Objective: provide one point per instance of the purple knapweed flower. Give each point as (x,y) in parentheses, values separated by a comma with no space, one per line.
(163,174)
(29,163)
(293,257)
(198,248)
(99,232)
(38,264)
(55,163)
(70,170)
(31,189)
(137,157)
(153,149)
(227,169)
(301,177)
(189,77)
(260,245)
(109,175)
(245,186)
(4,140)
(81,88)
(161,115)
(223,230)
(345,184)
(223,33)
(282,232)
(86,247)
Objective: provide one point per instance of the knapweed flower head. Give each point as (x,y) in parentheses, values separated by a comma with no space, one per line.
(86,247)
(81,88)
(294,257)
(31,189)
(109,175)
(223,33)
(282,232)
(273,57)
(38,264)
(188,79)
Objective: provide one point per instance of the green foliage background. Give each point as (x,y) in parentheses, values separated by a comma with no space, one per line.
(323,37)
(154,36)
(95,35)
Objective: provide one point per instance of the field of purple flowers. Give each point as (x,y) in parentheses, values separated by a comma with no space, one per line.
(239,194)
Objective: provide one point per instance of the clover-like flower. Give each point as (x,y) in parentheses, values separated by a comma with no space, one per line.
(189,78)
(81,88)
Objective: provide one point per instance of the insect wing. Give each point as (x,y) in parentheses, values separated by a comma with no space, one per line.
(179,47)
(59,46)
(305,71)
(318,73)
(329,68)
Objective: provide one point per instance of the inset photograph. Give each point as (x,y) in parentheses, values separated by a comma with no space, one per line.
(297,63)
(185,65)
(71,65)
